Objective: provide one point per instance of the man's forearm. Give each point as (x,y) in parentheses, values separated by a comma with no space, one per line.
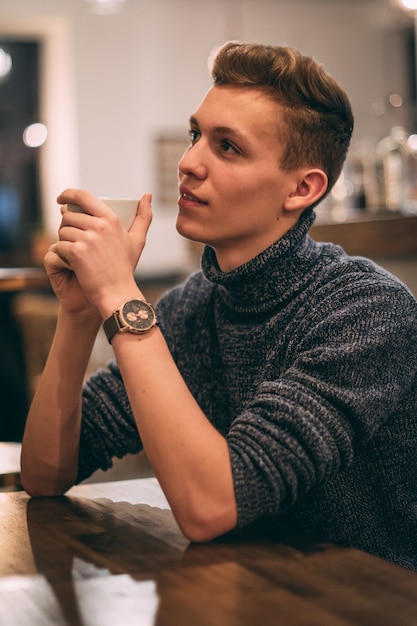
(189,456)
(52,431)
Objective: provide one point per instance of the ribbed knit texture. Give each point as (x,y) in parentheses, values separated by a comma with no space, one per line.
(306,360)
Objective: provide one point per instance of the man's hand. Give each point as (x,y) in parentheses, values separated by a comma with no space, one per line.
(99,251)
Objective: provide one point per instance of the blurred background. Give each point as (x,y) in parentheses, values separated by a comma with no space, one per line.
(97,94)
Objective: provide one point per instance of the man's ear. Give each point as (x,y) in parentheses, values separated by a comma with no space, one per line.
(310,187)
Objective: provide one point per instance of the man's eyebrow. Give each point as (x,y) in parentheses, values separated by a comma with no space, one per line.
(220,130)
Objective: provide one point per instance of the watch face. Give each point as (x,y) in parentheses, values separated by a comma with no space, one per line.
(138,315)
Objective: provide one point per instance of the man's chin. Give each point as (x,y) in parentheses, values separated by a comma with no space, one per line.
(187,230)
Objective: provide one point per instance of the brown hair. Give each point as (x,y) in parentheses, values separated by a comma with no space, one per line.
(317,112)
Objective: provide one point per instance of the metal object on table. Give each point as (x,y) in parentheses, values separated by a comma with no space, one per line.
(10,466)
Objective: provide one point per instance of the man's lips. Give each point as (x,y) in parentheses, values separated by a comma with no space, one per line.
(190,197)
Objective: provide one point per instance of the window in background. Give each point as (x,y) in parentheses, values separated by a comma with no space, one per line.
(19,180)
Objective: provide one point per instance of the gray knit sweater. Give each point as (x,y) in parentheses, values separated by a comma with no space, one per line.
(306,360)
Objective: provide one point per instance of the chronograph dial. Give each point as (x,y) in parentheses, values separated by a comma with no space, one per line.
(134,316)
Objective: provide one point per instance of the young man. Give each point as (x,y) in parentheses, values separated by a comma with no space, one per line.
(280,381)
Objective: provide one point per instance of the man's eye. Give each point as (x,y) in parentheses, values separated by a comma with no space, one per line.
(226,146)
(193,135)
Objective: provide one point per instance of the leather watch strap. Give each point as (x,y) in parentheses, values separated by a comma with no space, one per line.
(111,326)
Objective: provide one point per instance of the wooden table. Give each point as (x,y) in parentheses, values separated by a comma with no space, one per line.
(14,279)
(111,553)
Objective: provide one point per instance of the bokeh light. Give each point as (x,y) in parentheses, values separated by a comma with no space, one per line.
(5,63)
(35,135)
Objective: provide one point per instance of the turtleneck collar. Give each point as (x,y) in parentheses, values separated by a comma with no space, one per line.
(269,278)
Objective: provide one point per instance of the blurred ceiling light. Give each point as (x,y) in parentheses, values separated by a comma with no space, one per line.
(412,143)
(106,7)
(35,135)
(395,100)
(5,63)
(408,5)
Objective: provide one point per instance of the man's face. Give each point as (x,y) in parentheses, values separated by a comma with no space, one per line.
(232,190)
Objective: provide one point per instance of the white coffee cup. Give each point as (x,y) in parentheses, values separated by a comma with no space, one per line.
(125,209)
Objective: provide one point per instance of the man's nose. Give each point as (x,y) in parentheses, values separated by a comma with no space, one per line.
(192,161)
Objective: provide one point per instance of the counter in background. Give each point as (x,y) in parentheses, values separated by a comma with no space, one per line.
(389,239)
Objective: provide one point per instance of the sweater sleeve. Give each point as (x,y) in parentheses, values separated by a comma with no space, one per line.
(350,362)
(108,426)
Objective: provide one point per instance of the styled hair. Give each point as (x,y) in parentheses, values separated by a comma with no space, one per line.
(317,114)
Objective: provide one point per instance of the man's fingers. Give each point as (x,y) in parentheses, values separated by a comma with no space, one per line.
(143,217)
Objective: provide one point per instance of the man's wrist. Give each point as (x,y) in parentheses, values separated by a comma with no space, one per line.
(114,301)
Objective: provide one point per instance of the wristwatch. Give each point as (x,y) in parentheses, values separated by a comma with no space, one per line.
(134,316)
